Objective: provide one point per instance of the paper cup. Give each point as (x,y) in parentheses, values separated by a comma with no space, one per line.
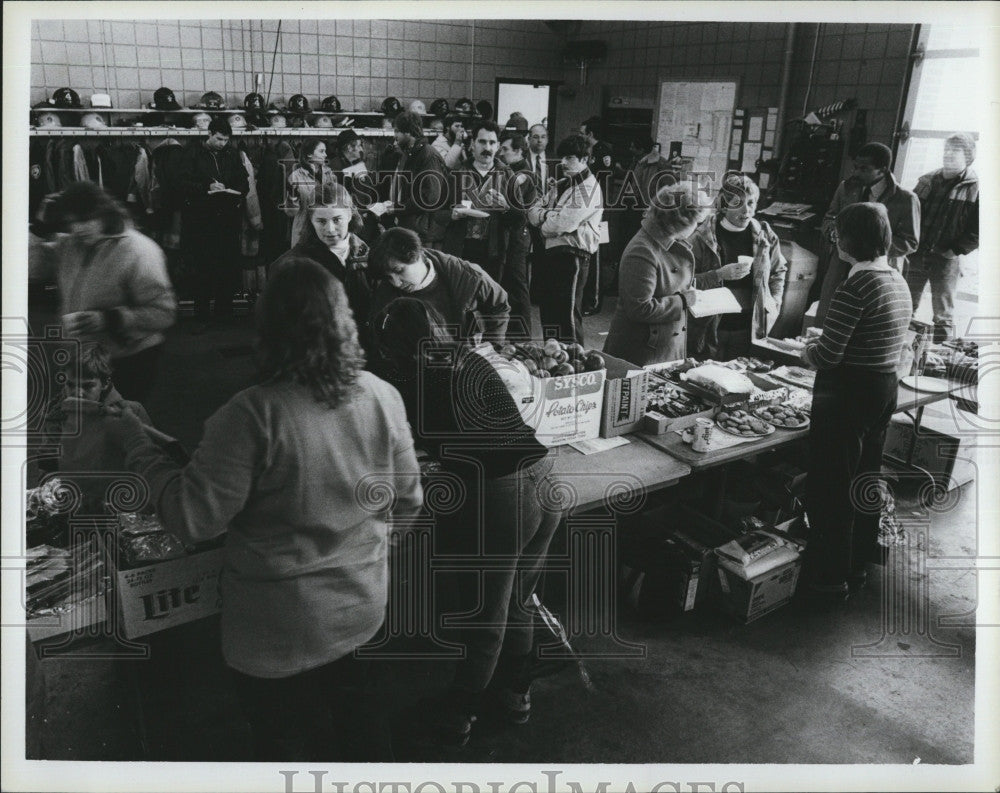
(744,259)
(702,432)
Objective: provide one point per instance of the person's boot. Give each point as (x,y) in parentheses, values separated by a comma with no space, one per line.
(446,719)
(593,308)
(509,692)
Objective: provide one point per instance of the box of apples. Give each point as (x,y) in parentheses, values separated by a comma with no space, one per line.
(567,393)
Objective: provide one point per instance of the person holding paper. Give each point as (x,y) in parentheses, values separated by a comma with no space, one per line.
(655,286)
(213,184)
(735,250)
(304,183)
(350,169)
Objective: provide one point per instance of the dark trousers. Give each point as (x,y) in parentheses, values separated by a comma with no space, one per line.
(515,283)
(592,282)
(328,713)
(211,244)
(561,277)
(135,375)
(478,252)
(513,528)
(851,410)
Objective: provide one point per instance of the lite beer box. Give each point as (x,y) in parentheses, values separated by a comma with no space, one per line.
(166,594)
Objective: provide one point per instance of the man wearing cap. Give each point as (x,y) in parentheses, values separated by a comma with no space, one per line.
(949,229)
(349,166)
(419,190)
(213,184)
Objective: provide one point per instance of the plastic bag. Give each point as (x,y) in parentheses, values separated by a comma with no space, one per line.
(565,656)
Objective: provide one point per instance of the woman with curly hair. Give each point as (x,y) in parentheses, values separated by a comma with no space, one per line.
(283,469)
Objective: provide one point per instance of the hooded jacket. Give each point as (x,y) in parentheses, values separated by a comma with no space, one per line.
(703,336)
(122,275)
(650,321)
(480,302)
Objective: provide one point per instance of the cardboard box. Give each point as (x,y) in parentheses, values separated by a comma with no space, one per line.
(933,451)
(624,397)
(750,599)
(92,611)
(656,423)
(166,594)
(560,410)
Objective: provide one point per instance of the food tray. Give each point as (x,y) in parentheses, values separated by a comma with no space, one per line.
(718,423)
(760,413)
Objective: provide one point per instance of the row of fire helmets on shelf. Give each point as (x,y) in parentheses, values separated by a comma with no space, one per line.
(440,108)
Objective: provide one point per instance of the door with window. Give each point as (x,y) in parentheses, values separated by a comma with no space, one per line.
(943,98)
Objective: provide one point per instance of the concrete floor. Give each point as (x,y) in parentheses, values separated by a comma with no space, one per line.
(880,680)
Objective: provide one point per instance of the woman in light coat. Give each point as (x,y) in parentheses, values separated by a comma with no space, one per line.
(655,280)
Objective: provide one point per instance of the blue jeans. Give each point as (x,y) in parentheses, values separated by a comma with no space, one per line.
(942,272)
(514,530)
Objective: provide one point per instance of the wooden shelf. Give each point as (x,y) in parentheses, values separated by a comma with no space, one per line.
(174,132)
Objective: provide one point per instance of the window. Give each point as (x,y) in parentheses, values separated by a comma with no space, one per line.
(944,97)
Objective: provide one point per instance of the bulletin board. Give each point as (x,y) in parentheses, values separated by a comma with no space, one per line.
(754,130)
(699,115)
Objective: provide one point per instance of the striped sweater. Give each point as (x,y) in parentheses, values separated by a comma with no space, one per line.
(866,323)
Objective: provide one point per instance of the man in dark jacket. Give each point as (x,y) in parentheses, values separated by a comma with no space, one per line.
(477,230)
(349,166)
(872,180)
(470,301)
(419,188)
(949,229)
(214,184)
(522,192)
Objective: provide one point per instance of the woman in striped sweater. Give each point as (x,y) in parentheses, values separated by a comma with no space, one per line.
(854,398)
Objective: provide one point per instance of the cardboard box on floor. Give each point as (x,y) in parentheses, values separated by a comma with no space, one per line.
(166,594)
(749,599)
